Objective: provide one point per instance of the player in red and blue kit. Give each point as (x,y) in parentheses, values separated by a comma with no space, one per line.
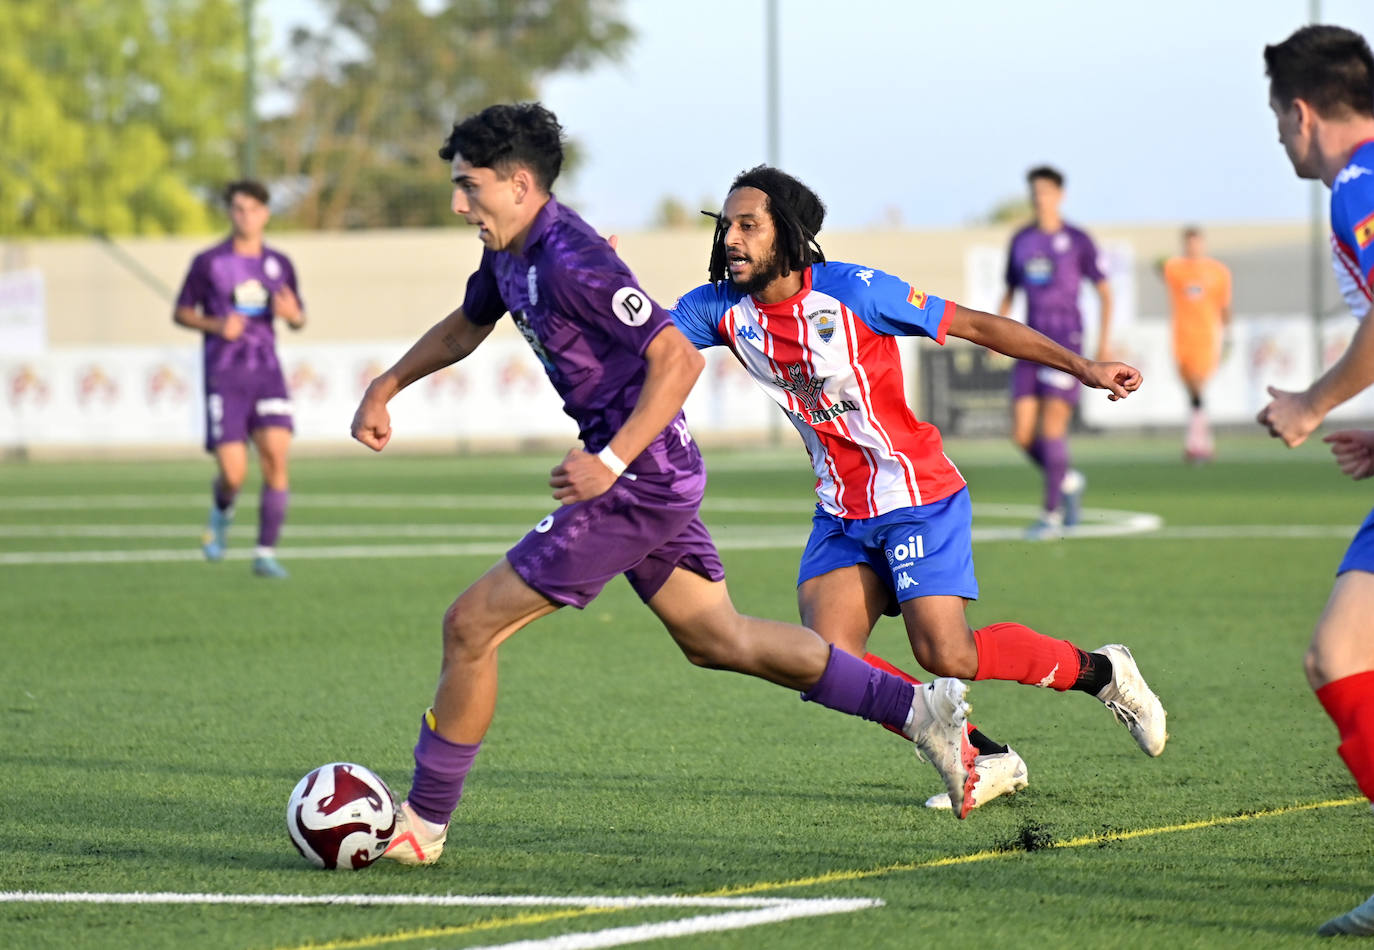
(1048,260)
(892,531)
(1321,88)
(629,495)
(233,294)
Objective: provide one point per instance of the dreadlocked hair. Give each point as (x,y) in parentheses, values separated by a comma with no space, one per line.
(798,214)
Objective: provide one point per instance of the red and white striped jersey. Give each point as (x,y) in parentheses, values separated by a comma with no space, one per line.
(828,356)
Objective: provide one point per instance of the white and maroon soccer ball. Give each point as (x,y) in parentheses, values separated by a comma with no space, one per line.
(341,816)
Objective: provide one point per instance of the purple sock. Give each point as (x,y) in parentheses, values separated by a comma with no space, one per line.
(440,768)
(271,515)
(1036,452)
(852,686)
(224,498)
(1055,452)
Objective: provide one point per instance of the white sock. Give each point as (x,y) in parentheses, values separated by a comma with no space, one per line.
(261,551)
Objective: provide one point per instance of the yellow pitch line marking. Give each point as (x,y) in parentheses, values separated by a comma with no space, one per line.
(830,877)
(493,923)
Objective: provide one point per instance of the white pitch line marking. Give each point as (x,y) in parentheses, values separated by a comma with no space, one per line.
(421,900)
(752,912)
(485,502)
(737,537)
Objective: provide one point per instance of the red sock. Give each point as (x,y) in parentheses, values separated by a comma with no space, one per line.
(1012,651)
(872,659)
(1349,702)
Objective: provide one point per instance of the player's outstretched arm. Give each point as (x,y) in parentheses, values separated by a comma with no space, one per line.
(1010,338)
(1294,416)
(673,367)
(448,341)
(1354,451)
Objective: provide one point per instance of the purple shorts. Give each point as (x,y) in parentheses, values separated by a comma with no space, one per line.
(643,528)
(1041,382)
(234,408)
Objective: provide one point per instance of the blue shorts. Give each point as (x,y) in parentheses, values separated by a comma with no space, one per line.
(923,551)
(1360,555)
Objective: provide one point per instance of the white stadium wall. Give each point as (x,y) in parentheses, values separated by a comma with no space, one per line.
(90,360)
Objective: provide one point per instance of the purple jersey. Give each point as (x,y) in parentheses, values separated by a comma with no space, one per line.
(221,282)
(1050,268)
(587,320)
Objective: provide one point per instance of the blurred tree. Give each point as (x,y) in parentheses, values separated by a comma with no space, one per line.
(376,91)
(672,212)
(1007,211)
(120,115)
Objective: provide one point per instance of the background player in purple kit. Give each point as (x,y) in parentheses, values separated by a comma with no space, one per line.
(1047,261)
(629,497)
(1321,89)
(233,294)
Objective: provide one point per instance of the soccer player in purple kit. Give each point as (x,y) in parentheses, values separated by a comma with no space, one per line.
(629,496)
(1047,261)
(233,294)
(1321,90)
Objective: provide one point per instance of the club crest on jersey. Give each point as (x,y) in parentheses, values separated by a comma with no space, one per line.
(917,299)
(1364,232)
(824,323)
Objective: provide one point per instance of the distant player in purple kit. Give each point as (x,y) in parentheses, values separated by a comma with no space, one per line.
(1047,261)
(629,495)
(1321,89)
(233,294)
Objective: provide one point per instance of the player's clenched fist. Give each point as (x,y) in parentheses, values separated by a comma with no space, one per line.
(1354,451)
(372,424)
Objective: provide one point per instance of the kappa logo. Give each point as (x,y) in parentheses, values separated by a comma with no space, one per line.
(865,275)
(748,333)
(533,280)
(1349,173)
(904,581)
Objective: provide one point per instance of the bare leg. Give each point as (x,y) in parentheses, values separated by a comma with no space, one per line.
(497,605)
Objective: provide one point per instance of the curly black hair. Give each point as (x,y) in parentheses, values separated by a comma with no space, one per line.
(501,137)
(797,213)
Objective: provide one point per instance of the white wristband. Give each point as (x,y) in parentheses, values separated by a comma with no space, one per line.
(611,461)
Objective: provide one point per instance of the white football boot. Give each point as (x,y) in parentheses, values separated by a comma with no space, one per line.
(1132,702)
(1072,488)
(1356,923)
(415,841)
(999,773)
(939,728)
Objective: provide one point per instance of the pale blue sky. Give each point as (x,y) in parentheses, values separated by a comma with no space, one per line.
(932,111)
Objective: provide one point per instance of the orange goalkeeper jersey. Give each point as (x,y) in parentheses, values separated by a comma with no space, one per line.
(1199,291)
